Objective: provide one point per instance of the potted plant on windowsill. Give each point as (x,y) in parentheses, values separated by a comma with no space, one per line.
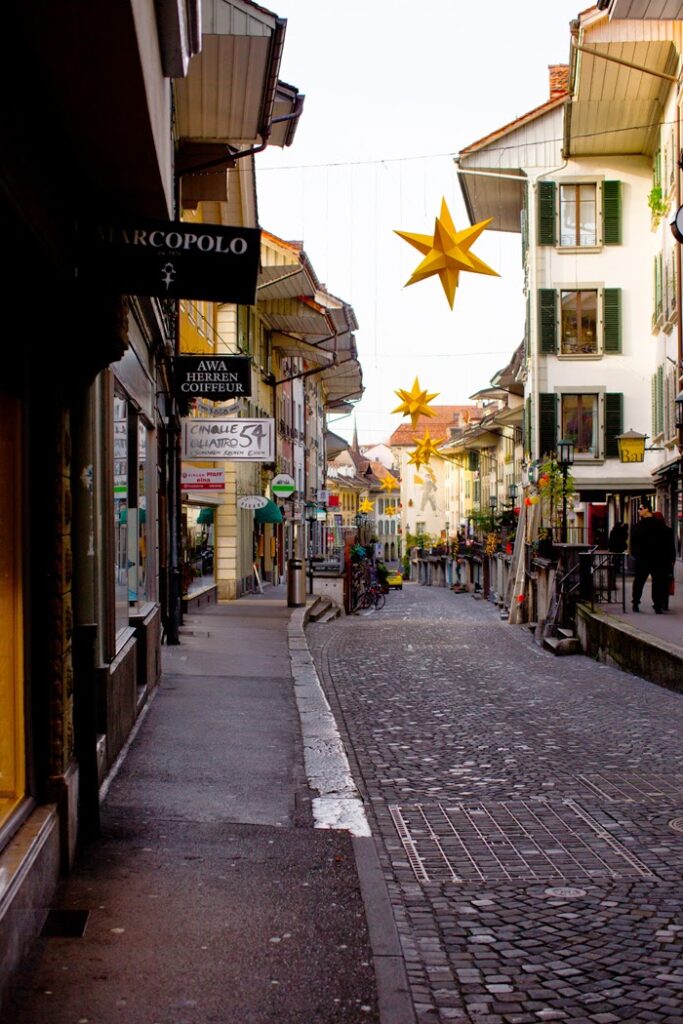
(657,203)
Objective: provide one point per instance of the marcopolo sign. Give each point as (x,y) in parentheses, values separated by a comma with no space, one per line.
(172,260)
(238,439)
(217,377)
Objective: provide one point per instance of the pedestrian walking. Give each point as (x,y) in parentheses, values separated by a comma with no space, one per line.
(670,560)
(650,550)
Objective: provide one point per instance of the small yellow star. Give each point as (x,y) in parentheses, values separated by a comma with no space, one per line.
(414,458)
(389,483)
(415,403)
(426,446)
(366,506)
(446,252)
(390,510)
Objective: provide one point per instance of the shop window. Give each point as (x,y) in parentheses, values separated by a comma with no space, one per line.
(120,512)
(12,772)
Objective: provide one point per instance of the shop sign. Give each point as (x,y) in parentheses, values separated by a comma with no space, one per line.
(252,501)
(171,260)
(240,440)
(323,497)
(283,485)
(217,377)
(194,479)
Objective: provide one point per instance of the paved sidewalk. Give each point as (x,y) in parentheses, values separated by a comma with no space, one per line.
(210,897)
(668,626)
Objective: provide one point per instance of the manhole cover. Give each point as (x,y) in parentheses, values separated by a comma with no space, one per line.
(676,824)
(514,841)
(565,892)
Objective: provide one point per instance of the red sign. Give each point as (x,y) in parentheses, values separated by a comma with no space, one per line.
(193,479)
(333,501)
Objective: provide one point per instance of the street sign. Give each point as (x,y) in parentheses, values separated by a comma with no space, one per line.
(283,485)
(252,501)
(239,439)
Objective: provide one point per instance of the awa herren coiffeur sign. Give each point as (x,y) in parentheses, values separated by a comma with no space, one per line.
(217,377)
(171,260)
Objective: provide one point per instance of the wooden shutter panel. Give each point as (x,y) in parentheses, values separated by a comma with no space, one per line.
(527,327)
(547,423)
(611,212)
(611,319)
(547,234)
(473,461)
(547,319)
(527,426)
(614,423)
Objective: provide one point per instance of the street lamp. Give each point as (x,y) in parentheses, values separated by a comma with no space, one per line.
(512,493)
(493,501)
(311,514)
(565,459)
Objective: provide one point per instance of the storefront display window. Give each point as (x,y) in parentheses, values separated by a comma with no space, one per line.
(12,780)
(121,511)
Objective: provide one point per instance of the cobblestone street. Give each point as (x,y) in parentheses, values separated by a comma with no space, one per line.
(528,813)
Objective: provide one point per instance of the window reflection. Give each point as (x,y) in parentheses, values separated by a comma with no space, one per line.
(578,220)
(579,335)
(580,422)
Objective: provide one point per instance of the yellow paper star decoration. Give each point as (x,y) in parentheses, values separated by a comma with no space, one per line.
(414,458)
(446,253)
(426,447)
(366,506)
(390,510)
(415,403)
(389,483)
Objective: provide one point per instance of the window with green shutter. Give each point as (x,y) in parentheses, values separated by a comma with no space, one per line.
(528,427)
(614,423)
(658,291)
(473,461)
(611,319)
(611,212)
(527,327)
(547,232)
(547,423)
(660,399)
(547,319)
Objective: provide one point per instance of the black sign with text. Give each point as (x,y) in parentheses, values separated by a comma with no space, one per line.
(171,260)
(217,377)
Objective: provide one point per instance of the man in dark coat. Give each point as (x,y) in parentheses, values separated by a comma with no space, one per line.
(650,549)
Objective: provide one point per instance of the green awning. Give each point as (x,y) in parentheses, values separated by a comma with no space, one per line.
(270,513)
(205,516)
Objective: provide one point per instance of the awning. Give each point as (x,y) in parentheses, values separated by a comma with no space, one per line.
(296,347)
(205,516)
(270,513)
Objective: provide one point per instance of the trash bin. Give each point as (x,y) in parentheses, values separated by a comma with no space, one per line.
(296,583)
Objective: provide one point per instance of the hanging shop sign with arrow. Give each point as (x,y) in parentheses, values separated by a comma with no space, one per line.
(171,260)
(217,377)
(241,440)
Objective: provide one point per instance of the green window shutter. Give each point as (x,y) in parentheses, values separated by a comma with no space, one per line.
(527,426)
(527,327)
(547,234)
(524,224)
(614,423)
(657,170)
(547,423)
(653,400)
(660,400)
(473,461)
(547,319)
(611,319)
(611,212)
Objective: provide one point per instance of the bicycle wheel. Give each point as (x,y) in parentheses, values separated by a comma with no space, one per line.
(364,600)
(380,600)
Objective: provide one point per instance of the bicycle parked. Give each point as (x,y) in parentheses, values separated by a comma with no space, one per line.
(370,597)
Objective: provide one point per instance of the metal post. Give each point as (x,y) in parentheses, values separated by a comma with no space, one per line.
(564,503)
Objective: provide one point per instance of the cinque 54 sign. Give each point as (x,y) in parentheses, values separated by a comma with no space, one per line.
(171,259)
(239,439)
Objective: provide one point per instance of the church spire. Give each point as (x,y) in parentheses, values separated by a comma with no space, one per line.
(354,443)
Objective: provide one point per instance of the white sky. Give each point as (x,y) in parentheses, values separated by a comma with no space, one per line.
(394,89)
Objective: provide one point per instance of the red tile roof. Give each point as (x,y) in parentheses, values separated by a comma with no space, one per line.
(438,425)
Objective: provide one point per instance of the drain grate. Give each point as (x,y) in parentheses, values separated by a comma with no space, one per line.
(513,841)
(65,924)
(634,788)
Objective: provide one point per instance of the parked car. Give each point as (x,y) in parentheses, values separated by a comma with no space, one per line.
(395,581)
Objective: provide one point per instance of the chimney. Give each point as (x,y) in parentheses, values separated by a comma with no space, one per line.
(559,80)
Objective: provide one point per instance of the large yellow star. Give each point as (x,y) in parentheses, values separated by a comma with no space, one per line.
(426,447)
(366,506)
(389,483)
(414,458)
(446,252)
(415,403)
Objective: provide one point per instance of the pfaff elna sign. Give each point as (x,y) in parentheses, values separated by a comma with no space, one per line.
(218,377)
(171,260)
